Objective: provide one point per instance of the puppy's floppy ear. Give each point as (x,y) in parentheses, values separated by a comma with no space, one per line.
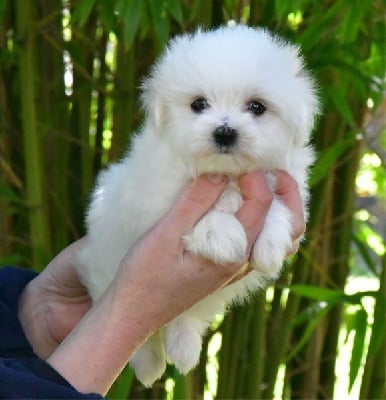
(306,111)
(151,101)
(305,102)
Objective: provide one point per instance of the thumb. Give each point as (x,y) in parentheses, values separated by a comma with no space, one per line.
(194,202)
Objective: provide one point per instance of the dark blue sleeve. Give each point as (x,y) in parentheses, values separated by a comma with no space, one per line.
(22,374)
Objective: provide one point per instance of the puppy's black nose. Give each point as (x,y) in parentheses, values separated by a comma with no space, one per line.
(224,136)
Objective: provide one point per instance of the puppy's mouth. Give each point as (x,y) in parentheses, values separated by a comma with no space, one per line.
(226,150)
(225,160)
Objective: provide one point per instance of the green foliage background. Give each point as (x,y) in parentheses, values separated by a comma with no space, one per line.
(69,73)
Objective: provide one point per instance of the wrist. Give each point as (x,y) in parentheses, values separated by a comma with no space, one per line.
(106,337)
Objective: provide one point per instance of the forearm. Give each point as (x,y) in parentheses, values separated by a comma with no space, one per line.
(97,350)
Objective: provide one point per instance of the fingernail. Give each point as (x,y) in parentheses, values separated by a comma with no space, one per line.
(216,178)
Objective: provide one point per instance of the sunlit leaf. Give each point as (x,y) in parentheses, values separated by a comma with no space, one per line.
(318,293)
(363,249)
(360,326)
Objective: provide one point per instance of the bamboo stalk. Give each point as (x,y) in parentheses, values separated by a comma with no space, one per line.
(54,110)
(343,205)
(124,98)
(33,156)
(242,360)
(232,357)
(183,386)
(257,351)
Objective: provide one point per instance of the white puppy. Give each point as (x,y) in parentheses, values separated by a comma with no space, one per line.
(227,101)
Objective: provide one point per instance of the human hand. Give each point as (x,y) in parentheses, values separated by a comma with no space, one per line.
(54,302)
(157,280)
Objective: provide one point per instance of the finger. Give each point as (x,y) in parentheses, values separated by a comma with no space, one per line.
(63,266)
(66,255)
(288,190)
(294,248)
(257,198)
(195,201)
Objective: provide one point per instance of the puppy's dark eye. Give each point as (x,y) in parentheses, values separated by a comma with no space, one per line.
(199,105)
(256,108)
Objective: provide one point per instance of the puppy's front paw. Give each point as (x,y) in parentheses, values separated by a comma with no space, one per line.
(274,241)
(218,237)
(149,360)
(183,345)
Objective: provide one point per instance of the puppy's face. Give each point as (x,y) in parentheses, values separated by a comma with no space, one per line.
(231,100)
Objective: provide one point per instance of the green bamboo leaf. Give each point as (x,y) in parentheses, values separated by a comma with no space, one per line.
(328,158)
(356,298)
(319,293)
(311,326)
(349,322)
(160,22)
(378,331)
(130,12)
(175,9)
(120,6)
(358,345)
(348,66)
(363,249)
(107,14)
(355,15)
(283,8)
(311,36)
(308,313)
(82,11)
(338,97)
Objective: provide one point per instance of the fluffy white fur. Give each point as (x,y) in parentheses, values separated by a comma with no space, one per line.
(229,67)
